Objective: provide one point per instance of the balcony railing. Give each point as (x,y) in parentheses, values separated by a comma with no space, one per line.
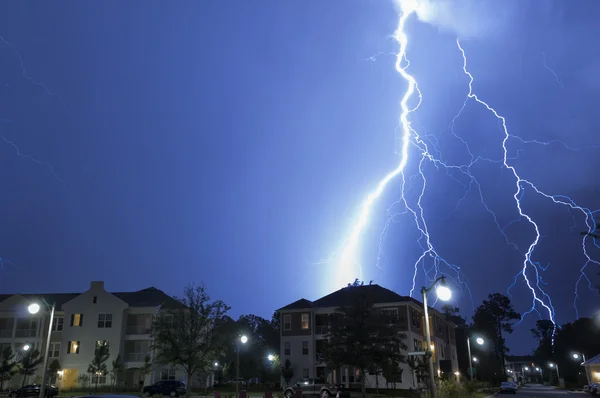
(136,356)
(6,333)
(137,330)
(321,329)
(25,333)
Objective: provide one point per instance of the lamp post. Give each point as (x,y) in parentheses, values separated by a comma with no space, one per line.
(34,308)
(443,294)
(576,356)
(271,357)
(241,339)
(479,341)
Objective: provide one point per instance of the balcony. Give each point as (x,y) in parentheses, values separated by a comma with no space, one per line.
(136,356)
(321,329)
(136,329)
(6,333)
(25,332)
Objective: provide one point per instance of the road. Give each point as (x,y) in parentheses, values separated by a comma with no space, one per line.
(540,391)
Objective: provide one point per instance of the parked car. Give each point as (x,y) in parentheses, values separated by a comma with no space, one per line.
(506,387)
(33,390)
(172,388)
(313,387)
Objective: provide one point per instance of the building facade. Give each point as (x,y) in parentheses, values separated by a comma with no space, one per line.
(82,322)
(305,325)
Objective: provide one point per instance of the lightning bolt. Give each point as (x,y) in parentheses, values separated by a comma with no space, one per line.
(530,270)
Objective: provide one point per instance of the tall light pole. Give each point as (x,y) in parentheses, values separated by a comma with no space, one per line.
(241,339)
(34,308)
(576,356)
(443,294)
(479,341)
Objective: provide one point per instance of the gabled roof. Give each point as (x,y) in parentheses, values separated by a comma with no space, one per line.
(378,294)
(593,361)
(149,297)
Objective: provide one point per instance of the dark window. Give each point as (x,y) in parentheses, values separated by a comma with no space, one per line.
(57,324)
(286,348)
(105,320)
(95,301)
(305,348)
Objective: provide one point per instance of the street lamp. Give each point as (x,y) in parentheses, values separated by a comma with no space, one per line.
(34,308)
(443,294)
(271,357)
(475,359)
(577,356)
(479,341)
(26,347)
(241,339)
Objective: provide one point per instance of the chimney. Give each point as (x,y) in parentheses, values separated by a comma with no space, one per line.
(97,285)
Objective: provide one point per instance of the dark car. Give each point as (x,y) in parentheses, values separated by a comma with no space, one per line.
(506,387)
(313,387)
(33,390)
(172,388)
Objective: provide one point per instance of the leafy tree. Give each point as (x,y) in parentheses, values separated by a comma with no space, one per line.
(494,317)
(53,368)
(362,336)
(29,363)
(7,365)
(287,372)
(84,379)
(189,336)
(98,366)
(116,370)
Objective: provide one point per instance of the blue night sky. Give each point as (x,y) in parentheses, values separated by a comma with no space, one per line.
(232,142)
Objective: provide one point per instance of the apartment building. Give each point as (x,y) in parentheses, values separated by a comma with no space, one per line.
(305,325)
(82,322)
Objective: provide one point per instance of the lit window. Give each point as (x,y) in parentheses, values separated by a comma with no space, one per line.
(73,347)
(76,319)
(305,321)
(104,320)
(287,322)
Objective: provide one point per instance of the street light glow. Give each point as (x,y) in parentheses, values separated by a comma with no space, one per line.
(216,364)
(26,347)
(244,339)
(443,293)
(479,341)
(271,357)
(475,359)
(33,308)
(551,365)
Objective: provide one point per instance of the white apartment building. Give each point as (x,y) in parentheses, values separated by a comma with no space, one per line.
(82,321)
(305,325)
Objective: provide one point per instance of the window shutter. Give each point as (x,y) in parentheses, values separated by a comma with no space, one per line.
(72,319)
(80,319)
(77,350)
(69,347)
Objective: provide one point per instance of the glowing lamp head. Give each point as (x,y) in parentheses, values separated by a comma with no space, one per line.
(443,292)
(526,368)
(537,369)
(271,357)
(475,359)
(26,347)
(216,364)
(576,356)
(244,339)
(34,308)
(551,365)
(479,341)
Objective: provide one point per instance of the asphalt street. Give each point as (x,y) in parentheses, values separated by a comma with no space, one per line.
(538,391)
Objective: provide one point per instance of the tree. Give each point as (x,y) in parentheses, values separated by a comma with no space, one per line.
(362,336)
(494,317)
(7,365)
(146,368)
(98,366)
(29,363)
(287,372)
(117,368)
(189,336)
(53,368)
